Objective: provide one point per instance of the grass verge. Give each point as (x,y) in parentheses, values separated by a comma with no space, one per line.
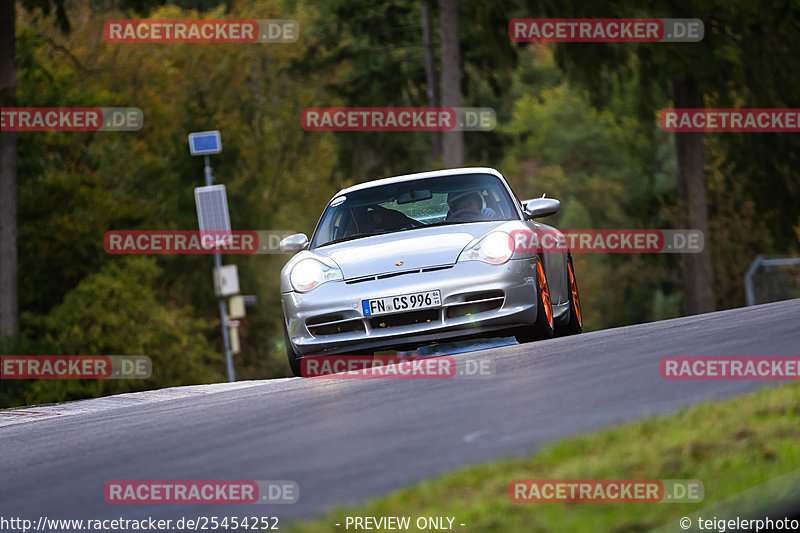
(731,446)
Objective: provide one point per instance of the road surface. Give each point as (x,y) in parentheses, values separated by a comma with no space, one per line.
(344,441)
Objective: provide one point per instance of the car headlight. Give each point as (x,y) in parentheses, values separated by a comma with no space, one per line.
(310,273)
(496,248)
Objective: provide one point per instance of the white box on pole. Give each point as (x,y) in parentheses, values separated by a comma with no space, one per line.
(226,281)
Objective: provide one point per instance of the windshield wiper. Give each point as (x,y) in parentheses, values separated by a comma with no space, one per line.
(353,236)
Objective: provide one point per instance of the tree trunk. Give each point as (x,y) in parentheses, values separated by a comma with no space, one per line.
(9,308)
(430,81)
(698,275)
(452,141)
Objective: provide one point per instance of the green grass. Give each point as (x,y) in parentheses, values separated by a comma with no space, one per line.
(731,446)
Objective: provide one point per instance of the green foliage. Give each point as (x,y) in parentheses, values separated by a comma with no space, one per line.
(747,59)
(371,55)
(119,311)
(73,187)
(603,166)
(574,121)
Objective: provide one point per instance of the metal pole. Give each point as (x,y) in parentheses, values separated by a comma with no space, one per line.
(748,280)
(207,170)
(223,316)
(225,339)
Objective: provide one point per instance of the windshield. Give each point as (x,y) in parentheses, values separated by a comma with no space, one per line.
(414,204)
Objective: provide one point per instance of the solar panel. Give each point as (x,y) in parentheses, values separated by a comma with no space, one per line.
(212,212)
(205,142)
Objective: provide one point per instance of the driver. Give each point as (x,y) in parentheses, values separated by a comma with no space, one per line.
(467,205)
(381,219)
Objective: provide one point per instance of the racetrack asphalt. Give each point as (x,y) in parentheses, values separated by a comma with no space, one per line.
(345,441)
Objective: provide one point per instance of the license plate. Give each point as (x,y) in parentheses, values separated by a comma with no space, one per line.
(398,304)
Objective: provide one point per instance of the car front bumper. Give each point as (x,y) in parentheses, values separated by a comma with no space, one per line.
(477,299)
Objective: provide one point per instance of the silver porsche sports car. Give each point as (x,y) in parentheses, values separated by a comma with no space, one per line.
(414,260)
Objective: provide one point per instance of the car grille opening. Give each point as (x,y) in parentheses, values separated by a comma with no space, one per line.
(333,324)
(434,269)
(395,274)
(359,280)
(475,303)
(362,279)
(404,319)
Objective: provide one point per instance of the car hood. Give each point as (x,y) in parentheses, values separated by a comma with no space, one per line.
(416,248)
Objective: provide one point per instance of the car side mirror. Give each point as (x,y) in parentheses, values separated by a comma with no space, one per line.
(541,207)
(294,243)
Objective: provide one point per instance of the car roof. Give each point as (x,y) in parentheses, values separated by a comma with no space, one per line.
(420,175)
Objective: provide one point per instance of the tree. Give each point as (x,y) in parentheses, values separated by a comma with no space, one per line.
(9,306)
(75,186)
(373,54)
(430,83)
(170,334)
(719,68)
(452,141)
(606,172)
(9,284)
(698,276)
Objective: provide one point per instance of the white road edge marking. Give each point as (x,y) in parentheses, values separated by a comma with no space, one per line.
(15,416)
(470,437)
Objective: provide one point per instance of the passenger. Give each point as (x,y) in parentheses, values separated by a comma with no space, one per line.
(468,206)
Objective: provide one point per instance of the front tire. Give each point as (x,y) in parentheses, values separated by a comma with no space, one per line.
(575,324)
(291,355)
(543,328)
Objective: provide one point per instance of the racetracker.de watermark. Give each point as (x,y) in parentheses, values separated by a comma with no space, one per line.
(727,368)
(71,119)
(194,242)
(611,241)
(201,492)
(75,367)
(606,490)
(729,120)
(609,30)
(201,31)
(394,367)
(398,119)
